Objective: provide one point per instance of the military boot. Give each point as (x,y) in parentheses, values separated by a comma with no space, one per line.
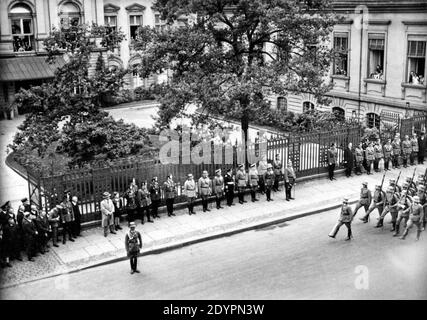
(393,228)
(396,232)
(380,223)
(418,235)
(365,219)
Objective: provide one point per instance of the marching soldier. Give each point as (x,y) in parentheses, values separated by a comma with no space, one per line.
(358,152)
(406,150)
(412,188)
(241,183)
(396,152)
(290,179)
(414,146)
(403,212)
(391,200)
(155,195)
(378,203)
(277,168)
(388,151)
(346,217)
(365,198)
(269,181)
(170,194)
(423,201)
(229,187)
(190,192)
(205,189)
(253,181)
(416,217)
(378,155)
(218,184)
(262,169)
(396,187)
(370,157)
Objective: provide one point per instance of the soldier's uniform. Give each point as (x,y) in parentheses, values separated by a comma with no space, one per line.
(407,150)
(54,217)
(403,212)
(290,178)
(253,181)
(388,152)
(277,168)
(396,153)
(30,235)
(190,191)
(370,157)
(397,188)
(170,194)
(144,202)
(378,156)
(67,216)
(365,199)
(391,200)
(155,194)
(241,180)
(229,188)
(358,152)
(218,186)
(205,190)
(423,202)
(269,177)
(42,226)
(415,149)
(262,168)
(377,203)
(346,217)
(416,217)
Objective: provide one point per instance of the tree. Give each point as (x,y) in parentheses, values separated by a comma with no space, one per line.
(67,112)
(234,53)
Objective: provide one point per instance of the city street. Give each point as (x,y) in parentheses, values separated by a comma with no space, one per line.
(295,260)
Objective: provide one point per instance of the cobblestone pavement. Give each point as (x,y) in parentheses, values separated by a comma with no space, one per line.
(93,248)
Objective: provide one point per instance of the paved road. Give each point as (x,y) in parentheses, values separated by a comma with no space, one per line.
(296,260)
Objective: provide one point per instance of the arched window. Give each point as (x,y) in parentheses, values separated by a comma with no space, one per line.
(307,105)
(69,15)
(339,113)
(282,103)
(373,120)
(22,27)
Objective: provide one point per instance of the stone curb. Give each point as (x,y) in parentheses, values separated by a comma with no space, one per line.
(189,242)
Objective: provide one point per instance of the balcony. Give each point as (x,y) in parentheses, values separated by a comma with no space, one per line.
(415,92)
(341,82)
(374,87)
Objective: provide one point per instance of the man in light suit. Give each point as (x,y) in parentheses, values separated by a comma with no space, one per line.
(107,210)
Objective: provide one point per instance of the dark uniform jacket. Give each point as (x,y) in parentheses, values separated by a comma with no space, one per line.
(170,189)
(228,183)
(332,156)
(269,179)
(290,175)
(143,197)
(365,196)
(29,229)
(348,157)
(155,191)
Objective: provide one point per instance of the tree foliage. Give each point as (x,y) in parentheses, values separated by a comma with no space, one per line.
(232,54)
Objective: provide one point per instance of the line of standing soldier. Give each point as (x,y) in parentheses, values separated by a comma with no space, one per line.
(406,203)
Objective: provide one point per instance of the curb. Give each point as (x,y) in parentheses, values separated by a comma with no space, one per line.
(188,243)
(146,105)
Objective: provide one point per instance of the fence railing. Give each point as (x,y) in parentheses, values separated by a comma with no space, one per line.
(307,151)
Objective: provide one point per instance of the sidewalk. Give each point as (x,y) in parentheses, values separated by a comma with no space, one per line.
(92,249)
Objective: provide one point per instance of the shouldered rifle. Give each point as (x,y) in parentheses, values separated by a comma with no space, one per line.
(406,195)
(397,180)
(382,182)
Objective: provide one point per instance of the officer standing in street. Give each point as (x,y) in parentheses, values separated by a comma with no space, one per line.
(253,181)
(346,216)
(205,189)
(241,181)
(155,197)
(365,198)
(133,244)
(170,194)
(416,217)
(269,181)
(229,187)
(414,146)
(190,191)
(218,185)
(378,203)
(388,151)
(407,150)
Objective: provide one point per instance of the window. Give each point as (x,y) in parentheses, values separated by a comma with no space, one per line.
(373,120)
(135,22)
(159,23)
(111,22)
(339,113)
(307,106)
(69,15)
(416,62)
(282,103)
(22,28)
(341,54)
(376,56)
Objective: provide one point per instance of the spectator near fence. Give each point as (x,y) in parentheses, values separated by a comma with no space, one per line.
(218,186)
(155,197)
(67,217)
(379,154)
(262,169)
(107,210)
(415,149)
(388,153)
(332,160)
(421,148)
(348,159)
(54,217)
(170,194)
(118,210)
(277,168)
(76,227)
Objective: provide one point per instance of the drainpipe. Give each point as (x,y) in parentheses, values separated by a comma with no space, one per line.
(360,63)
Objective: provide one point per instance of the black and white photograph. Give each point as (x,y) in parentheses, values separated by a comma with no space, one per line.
(179,151)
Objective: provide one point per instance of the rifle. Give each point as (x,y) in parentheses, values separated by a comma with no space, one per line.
(382,182)
(406,195)
(398,177)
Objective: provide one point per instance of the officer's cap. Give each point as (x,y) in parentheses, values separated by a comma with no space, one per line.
(190,175)
(132,224)
(24,199)
(253,165)
(26,213)
(217,170)
(4,207)
(241,165)
(345,200)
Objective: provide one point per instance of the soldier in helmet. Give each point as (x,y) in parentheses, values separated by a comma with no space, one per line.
(269,181)
(391,200)
(388,151)
(415,149)
(218,185)
(396,187)
(406,151)
(241,180)
(365,198)
(346,216)
(403,211)
(416,217)
(253,181)
(378,203)
(359,158)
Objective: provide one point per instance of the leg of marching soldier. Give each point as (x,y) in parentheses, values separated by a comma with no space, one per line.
(358,206)
(419,229)
(381,219)
(408,226)
(393,219)
(398,221)
(349,234)
(335,229)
